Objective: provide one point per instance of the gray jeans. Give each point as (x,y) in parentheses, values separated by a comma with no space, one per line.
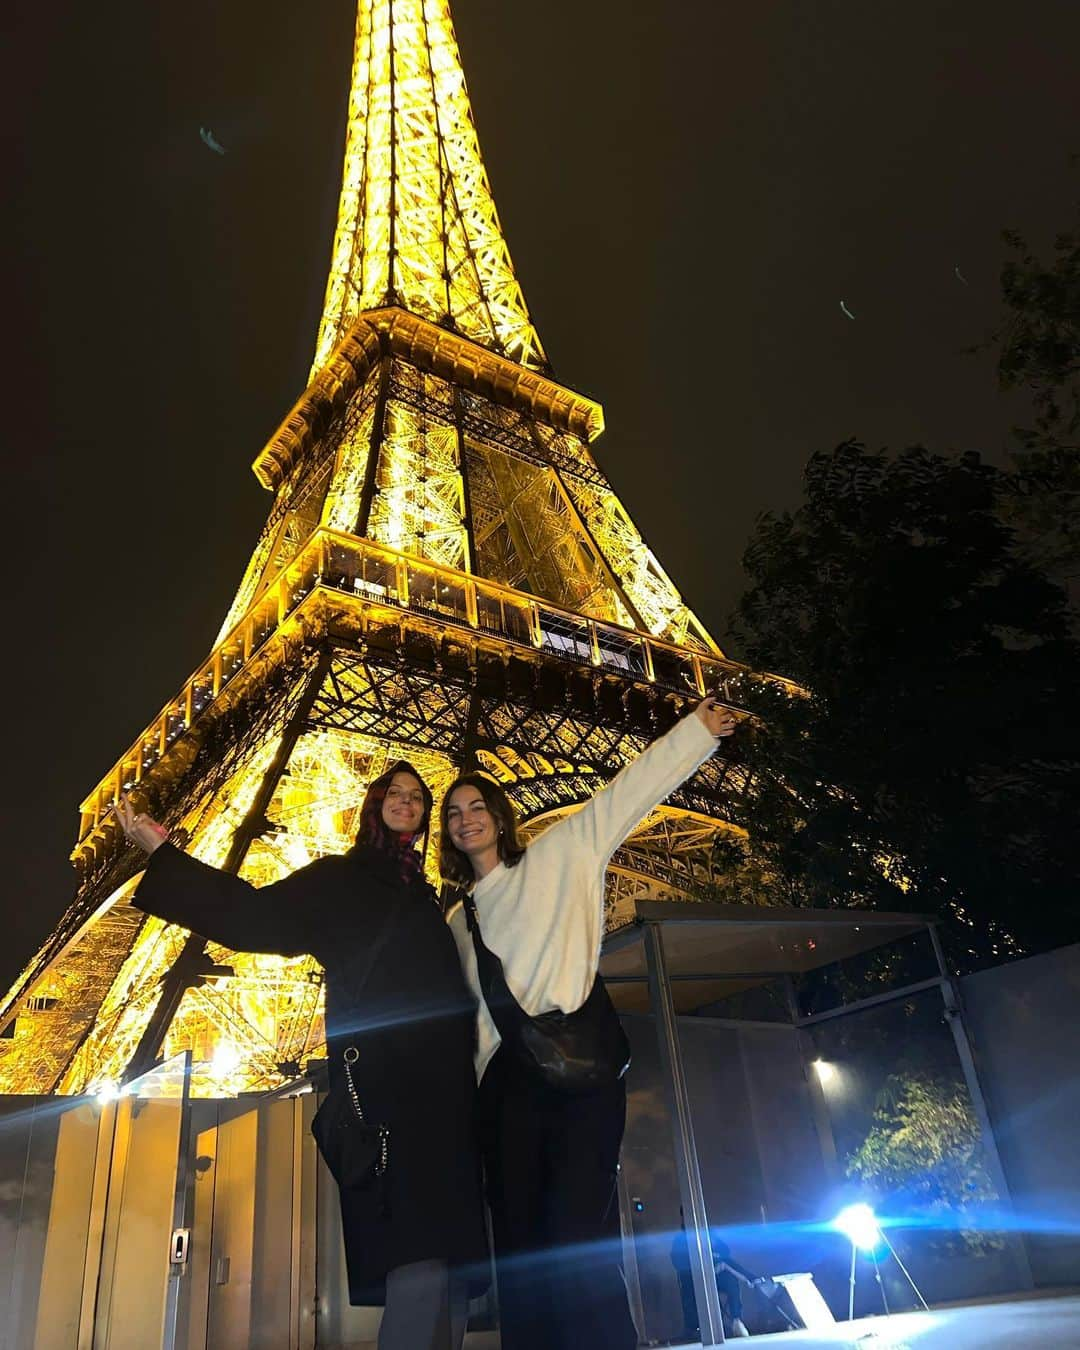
(426,1308)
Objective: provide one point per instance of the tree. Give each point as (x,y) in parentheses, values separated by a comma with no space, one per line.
(1038,347)
(932,760)
(1039,341)
(923,1153)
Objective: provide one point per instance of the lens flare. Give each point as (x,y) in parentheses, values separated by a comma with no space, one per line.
(859,1225)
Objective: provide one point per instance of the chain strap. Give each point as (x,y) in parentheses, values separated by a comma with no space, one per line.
(351,1056)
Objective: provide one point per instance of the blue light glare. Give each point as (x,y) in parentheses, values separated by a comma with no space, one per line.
(859,1225)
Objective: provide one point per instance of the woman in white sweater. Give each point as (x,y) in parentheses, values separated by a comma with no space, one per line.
(551,1156)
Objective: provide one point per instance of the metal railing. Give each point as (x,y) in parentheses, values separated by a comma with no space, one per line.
(376,576)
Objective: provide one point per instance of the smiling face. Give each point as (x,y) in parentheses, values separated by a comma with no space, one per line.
(403,805)
(471,826)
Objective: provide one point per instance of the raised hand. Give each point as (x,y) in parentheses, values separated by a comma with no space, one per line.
(719,719)
(141,829)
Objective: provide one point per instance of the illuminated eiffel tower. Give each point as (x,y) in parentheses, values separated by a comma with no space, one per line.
(444,573)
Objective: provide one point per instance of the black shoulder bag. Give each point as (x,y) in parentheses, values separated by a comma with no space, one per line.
(575,1052)
(356,1152)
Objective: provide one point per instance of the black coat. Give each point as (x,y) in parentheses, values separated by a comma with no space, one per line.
(412,1023)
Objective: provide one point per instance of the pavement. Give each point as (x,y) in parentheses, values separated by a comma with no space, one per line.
(1049,1323)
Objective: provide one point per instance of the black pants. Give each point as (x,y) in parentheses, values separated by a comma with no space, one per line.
(550,1162)
(727,1286)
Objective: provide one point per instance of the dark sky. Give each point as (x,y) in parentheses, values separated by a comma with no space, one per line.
(689,190)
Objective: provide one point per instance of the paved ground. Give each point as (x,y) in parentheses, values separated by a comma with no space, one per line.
(1026,1324)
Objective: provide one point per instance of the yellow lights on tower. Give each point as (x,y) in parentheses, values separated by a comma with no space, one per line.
(417,224)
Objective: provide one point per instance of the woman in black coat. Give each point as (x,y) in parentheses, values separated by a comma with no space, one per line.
(417,1240)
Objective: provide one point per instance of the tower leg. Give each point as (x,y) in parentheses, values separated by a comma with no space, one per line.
(192,960)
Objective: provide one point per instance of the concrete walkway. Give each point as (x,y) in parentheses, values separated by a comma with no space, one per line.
(1019,1324)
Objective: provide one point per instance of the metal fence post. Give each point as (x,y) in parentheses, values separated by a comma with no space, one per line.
(686,1159)
(954,1015)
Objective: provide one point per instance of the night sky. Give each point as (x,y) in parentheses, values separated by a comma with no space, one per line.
(689,190)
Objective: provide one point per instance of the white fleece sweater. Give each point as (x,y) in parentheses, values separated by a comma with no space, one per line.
(544,918)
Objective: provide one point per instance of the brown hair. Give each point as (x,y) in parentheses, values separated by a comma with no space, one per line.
(374,833)
(455,865)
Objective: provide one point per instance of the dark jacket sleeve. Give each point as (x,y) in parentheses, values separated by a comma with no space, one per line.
(278,918)
(737,1269)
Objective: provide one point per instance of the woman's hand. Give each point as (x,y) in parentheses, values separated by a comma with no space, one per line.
(719,719)
(140,829)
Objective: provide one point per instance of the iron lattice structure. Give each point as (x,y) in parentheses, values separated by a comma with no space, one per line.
(445,573)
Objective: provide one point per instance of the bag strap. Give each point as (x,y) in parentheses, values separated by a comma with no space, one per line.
(485,957)
(387,926)
(376,949)
(506,1011)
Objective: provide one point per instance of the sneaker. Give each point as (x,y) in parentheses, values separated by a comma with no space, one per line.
(738,1327)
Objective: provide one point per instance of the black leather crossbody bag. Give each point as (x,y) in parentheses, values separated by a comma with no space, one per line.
(577,1052)
(356,1152)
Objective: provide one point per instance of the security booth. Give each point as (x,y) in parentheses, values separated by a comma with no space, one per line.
(768,1045)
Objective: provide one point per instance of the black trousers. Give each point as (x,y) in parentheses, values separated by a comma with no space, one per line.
(727,1286)
(550,1162)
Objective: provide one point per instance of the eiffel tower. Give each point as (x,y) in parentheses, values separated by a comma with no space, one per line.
(444,574)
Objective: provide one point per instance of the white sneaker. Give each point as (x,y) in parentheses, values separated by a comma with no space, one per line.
(738,1327)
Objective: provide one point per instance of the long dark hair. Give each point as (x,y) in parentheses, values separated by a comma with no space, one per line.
(373,832)
(455,865)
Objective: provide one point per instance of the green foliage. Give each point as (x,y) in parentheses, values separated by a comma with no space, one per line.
(933,762)
(924,1145)
(1039,351)
(1039,344)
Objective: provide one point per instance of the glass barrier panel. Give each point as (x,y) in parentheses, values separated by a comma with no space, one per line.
(376,578)
(718,681)
(620,651)
(489,612)
(422,590)
(341,566)
(441,595)
(762,1172)
(301,577)
(517,621)
(450,598)
(673,669)
(565,636)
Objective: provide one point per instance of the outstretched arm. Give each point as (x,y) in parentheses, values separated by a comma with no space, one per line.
(604,822)
(736,1269)
(219,906)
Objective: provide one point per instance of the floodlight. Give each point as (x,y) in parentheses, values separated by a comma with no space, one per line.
(859,1225)
(107,1091)
(825,1071)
